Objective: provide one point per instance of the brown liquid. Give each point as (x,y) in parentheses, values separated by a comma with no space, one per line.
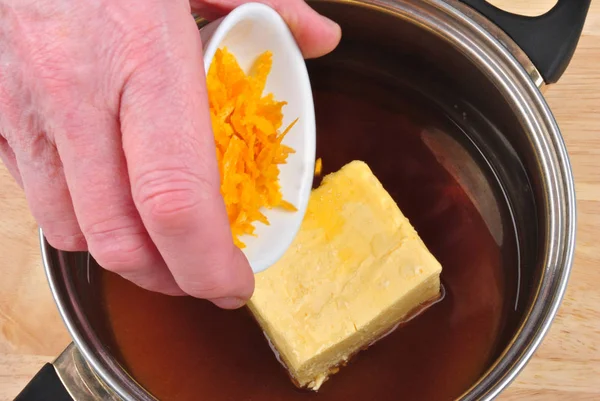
(183,349)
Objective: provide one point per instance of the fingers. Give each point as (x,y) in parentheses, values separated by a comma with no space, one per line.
(90,148)
(171,159)
(316,35)
(47,194)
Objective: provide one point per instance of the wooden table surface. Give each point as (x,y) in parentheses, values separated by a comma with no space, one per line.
(566,366)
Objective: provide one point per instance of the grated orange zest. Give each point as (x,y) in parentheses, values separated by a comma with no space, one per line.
(246,126)
(318,167)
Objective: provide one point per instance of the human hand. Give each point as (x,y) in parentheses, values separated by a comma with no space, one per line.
(104,122)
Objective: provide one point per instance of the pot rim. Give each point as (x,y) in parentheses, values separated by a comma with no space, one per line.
(466,30)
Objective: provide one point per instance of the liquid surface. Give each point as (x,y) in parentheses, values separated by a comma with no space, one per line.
(183,349)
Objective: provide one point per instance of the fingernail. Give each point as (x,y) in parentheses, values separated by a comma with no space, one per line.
(229,302)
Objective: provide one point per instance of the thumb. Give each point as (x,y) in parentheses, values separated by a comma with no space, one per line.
(316,34)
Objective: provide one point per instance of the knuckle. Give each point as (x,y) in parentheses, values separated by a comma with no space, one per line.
(31,143)
(143,34)
(169,198)
(117,257)
(145,84)
(51,67)
(117,244)
(70,242)
(145,49)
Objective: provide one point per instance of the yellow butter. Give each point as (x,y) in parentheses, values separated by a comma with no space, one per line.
(356,268)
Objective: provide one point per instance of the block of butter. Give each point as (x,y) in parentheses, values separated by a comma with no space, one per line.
(355,270)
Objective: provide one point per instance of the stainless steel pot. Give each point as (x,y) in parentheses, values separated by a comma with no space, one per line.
(497,70)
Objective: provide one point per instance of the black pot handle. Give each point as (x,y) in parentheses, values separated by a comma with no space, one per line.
(45,386)
(549,40)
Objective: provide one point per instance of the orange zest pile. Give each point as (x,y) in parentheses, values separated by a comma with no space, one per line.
(246,126)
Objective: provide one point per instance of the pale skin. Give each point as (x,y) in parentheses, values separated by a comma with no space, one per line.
(104,123)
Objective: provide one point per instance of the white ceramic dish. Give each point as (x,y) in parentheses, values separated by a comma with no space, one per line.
(248,31)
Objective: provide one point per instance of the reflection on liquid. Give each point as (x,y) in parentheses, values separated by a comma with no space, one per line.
(469,176)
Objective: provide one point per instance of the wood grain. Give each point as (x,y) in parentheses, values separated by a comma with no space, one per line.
(566,366)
